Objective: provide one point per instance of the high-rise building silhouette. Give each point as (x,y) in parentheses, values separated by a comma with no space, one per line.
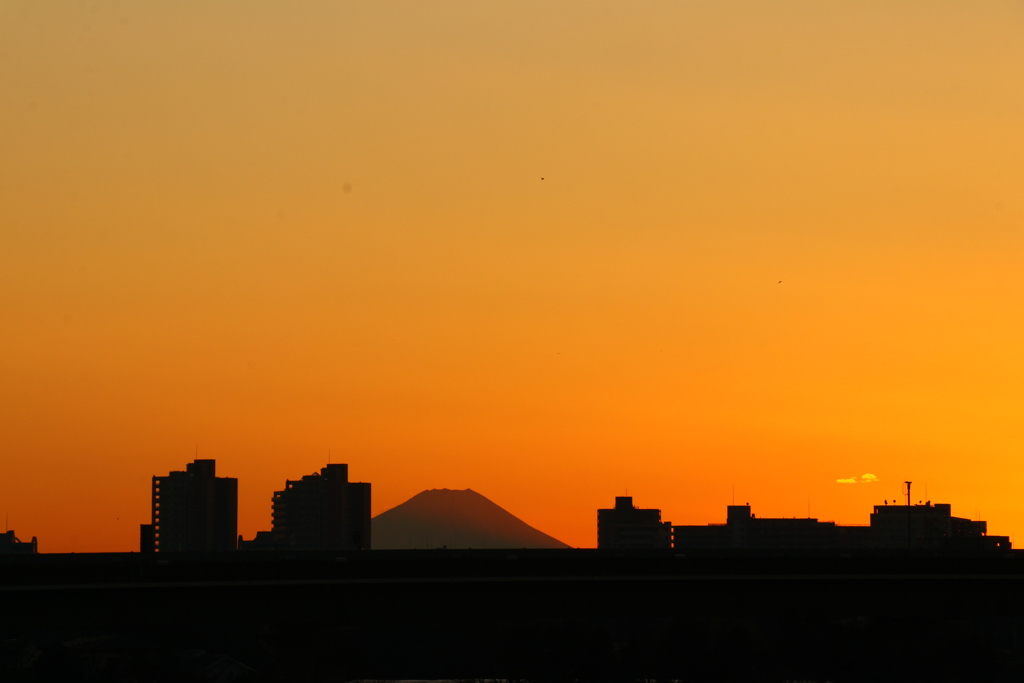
(322,511)
(627,526)
(194,510)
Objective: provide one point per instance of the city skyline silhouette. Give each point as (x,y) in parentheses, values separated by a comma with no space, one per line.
(723,296)
(193,510)
(772,248)
(230,538)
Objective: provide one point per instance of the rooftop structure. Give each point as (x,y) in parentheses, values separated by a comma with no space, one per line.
(10,545)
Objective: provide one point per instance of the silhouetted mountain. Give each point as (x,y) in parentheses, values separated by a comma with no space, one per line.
(454,519)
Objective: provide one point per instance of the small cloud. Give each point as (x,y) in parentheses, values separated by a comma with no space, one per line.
(865,479)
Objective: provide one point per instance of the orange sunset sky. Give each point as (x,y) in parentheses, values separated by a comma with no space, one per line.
(271,229)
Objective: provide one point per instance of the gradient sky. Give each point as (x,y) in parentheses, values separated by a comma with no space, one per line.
(271,229)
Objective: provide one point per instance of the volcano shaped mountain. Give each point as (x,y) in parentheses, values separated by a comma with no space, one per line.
(445,518)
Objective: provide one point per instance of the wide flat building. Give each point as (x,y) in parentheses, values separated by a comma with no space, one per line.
(744,530)
(627,526)
(930,526)
(892,526)
(321,511)
(194,510)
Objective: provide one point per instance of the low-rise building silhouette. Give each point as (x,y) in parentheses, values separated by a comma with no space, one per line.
(321,511)
(892,526)
(743,529)
(10,545)
(929,526)
(194,510)
(627,526)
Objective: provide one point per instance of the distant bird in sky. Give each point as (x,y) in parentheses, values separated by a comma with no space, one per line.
(780,282)
(542,179)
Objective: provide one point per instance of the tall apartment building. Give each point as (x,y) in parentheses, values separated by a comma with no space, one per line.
(194,510)
(321,511)
(627,526)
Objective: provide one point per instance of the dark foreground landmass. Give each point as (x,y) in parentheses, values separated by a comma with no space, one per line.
(538,615)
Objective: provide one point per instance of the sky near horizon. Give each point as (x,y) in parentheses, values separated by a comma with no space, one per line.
(548,251)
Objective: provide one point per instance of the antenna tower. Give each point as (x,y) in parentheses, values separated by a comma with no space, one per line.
(910,536)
